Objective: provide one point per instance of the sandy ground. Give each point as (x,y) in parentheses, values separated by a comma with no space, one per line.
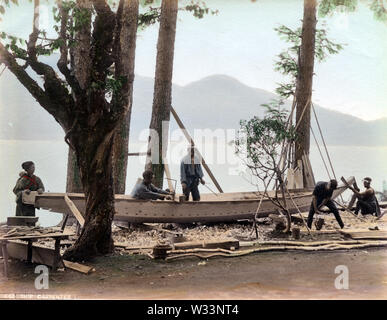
(270,275)
(290,275)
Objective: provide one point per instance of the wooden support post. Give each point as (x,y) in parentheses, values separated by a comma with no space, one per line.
(168,174)
(190,140)
(74,210)
(57,256)
(5,257)
(29,251)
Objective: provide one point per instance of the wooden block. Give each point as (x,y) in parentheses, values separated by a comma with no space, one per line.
(78,267)
(29,198)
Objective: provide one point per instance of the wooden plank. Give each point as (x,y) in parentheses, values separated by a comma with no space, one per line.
(40,255)
(62,235)
(298,176)
(131,154)
(307,172)
(342,187)
(140,211)
(78,267)
(290,179)
(168,174)
(311,170)
(77,214)
(190,140)
(223,244)
(363,235)
(121,244)
(22,221)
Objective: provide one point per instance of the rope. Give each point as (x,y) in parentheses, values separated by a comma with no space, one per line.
(319,150)
(299,211)
(325,146)
(1,73)
(323,140)
(255,217)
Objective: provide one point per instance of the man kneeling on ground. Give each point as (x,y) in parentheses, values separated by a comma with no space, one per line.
(322,195)
(147,191)
(366,200)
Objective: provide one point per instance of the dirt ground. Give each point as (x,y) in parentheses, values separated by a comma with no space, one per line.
(269,275)
(288,275)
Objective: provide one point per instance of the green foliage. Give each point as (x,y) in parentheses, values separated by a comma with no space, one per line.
(198,9)
(149,18)
(6,3)
(260,140)
(288,59)
(328,7)
(379,8)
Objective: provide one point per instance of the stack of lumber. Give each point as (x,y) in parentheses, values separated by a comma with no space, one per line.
(24,231)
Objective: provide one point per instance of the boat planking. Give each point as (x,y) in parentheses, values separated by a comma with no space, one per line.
(221,207)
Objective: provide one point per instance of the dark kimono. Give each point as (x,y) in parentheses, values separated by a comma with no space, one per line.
(26,182)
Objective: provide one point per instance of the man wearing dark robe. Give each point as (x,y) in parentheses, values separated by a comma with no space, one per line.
(191,174)
(322,195)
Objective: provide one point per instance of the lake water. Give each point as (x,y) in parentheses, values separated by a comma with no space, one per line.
(50,159)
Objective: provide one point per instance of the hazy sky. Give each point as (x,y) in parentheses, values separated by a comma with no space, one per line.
(240,42)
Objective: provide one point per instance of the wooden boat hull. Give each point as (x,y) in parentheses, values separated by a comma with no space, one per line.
(222,207)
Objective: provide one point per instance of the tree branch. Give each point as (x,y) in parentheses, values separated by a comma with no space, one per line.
(30,84)
(63,61)
(52,84)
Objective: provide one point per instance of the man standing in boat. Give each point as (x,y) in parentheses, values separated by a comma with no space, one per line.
(191,174)
(366,200)
(147,191)
(322,195)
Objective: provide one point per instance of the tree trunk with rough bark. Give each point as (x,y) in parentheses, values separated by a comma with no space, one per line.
(92,110)
(162,97)
(305,80)
(120,154)
(73,182)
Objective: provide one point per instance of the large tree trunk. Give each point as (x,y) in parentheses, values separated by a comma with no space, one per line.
(73,182)
(89,119)
(96,169)
(305,80)
(80,66)
(120,154)
(162,97)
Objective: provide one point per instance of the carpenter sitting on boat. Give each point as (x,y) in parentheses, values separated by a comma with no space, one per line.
(322,195)
(147,191)
(191,174)
(27,182)
(366,200)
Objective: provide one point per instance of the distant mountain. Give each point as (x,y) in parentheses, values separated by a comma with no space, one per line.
(214,102)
